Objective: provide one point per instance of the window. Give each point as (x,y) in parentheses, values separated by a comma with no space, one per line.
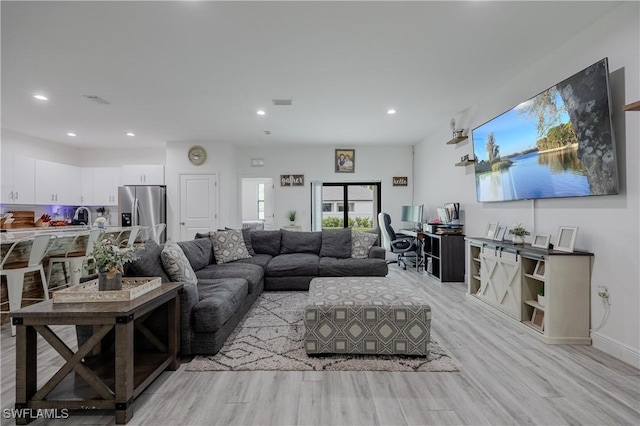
(327,207)
(362,201)
(351,207)
(261,201)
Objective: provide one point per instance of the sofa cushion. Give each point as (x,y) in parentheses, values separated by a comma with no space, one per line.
(261,260)
(336,243)
(219,300)
(229,246)
(176,264)
(246,236)
(148,263)
(252,273)
(332,267)
(266,242)
(300,242)
(294,264)
(361,243)
(199,252)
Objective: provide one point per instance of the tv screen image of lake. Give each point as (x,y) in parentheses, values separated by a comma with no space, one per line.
(559,143)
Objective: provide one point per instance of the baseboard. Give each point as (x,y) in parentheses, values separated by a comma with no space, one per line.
(616,349)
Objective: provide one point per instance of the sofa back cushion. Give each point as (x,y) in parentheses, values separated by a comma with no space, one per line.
(246,235)
(177,265)
(336,243)
(361,243)
(301,242)
(229,246)
(148,263)
(199,252)
(266,242)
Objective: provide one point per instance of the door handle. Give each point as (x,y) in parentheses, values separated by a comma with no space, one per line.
(182,223)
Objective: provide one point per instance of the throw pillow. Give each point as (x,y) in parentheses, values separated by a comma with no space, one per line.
(229,246)
(361,243)
(336,243)
(246,235)
(148,263)
(177,265)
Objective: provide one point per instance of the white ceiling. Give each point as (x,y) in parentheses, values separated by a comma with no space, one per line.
(183,71)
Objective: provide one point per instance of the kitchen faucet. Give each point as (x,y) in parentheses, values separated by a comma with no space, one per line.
(75,217)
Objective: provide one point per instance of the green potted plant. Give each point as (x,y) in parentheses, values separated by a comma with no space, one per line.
(110,260)
(292,216)
(541,298)
(519,232)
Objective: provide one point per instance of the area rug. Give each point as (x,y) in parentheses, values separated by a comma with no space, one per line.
(271,338)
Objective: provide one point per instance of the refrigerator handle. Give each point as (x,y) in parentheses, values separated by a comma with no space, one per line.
(136,213)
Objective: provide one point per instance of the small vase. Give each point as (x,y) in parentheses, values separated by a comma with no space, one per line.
(110,280)
(541,300)
(518,239)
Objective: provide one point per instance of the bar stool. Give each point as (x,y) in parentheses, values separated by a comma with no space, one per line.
(71,252)
(36,247)
(156,231)
(127,238)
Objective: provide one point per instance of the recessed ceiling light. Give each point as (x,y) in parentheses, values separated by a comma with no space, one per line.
(73,135)
(391,111)
(261,112)
(41,97)
(130,134)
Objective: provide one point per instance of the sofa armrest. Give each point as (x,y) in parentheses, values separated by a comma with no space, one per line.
(188,299)
(377,252)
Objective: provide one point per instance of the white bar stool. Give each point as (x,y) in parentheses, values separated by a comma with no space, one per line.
(69,246)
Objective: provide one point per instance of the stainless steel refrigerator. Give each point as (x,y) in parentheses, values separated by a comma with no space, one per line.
(143,205)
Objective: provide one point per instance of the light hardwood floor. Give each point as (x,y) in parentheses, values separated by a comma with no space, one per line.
(506,377)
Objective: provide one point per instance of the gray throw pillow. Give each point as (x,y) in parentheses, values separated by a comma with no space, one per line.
(361,243)
(336,243)
(266,242)
(229,246)
(148,263)
(199,252)
(246,235)
(176,264)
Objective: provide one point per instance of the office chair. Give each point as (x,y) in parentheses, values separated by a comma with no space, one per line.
(399,244)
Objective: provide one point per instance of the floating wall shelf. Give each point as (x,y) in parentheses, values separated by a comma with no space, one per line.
(635,106)
(457,140)
(465,163)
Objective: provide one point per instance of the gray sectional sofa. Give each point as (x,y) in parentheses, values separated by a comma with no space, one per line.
(229,279)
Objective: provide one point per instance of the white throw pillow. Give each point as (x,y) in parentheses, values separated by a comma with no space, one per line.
(177,265)
(361,243)
(229,246)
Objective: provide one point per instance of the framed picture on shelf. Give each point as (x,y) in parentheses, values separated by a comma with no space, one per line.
(492,228)
(500,233)
(566,238)
(537,319)
(538,272)
(345,160)
(541,241)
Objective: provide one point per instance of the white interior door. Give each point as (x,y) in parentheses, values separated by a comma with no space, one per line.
(269,213)
(198,204)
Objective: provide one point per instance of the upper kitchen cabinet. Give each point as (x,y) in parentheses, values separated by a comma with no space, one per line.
(18,180)
(57,183)
(86,186)
(143,174)
(106,181)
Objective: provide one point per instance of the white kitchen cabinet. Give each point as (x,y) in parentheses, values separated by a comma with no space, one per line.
(57,183)
(18,180)
(143,174)
(86,186)
(106,181)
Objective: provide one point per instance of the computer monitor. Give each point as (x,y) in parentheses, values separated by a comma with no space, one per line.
(412,214)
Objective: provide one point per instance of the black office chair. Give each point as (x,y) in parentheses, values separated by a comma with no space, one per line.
(402,245)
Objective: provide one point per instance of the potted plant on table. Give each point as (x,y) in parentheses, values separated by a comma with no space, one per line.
(519,232)
(292,216)
(110,260)
(541,299)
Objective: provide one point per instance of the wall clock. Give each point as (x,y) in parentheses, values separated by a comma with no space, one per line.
(197,155)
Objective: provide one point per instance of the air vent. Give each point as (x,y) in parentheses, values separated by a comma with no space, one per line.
(282,102)
(97,99)
(267,132)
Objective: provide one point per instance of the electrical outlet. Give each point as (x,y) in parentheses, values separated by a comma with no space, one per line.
(603,292)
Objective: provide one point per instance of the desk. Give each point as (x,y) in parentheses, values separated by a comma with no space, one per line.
(419,236)
(113,379)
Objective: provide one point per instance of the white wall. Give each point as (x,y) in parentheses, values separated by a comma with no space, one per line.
(316,163)
(609,225)
(15,143)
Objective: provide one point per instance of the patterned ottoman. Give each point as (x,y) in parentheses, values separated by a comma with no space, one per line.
(366,315)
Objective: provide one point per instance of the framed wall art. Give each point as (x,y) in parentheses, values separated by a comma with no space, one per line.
(345,160)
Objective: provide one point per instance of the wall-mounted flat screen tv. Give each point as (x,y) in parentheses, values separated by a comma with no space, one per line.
(559,143)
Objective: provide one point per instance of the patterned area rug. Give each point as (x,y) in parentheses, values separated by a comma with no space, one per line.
(271,338)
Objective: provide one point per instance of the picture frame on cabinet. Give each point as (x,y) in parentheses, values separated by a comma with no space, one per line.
(537,319)
(538,272)
(566,238)
(500,233)
(492,228)
(541,241)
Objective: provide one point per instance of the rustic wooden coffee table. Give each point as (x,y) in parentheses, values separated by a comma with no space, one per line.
(111,380)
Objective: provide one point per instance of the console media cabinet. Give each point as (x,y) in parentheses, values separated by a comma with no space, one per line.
(507,278)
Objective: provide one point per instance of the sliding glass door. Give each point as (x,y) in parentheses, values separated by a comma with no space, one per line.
(350,205)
